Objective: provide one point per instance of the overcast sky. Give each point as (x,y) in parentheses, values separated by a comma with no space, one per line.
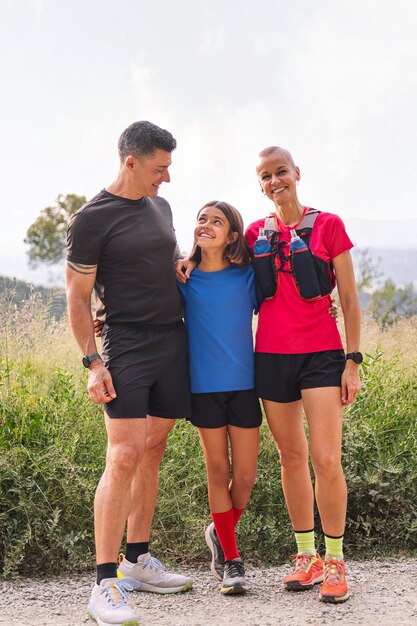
(333,81)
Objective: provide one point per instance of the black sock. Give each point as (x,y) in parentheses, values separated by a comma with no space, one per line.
(133,550)
(106,570)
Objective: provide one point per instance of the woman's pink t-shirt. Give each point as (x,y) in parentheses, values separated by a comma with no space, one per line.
(288,324)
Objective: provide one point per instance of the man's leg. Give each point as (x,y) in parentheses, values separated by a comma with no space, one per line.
(144,487)
(125,449)
(125,446)
(142,571)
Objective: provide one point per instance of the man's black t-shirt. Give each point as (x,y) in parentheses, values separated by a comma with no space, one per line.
(133,244)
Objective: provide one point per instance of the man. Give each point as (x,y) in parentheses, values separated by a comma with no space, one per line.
(122,244)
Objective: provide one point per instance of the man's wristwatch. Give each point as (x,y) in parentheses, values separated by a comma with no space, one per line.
(357,357)
(88,359)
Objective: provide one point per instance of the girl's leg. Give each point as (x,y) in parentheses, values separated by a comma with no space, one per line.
(244,443)
(286,425)
(323,409)
(214,442)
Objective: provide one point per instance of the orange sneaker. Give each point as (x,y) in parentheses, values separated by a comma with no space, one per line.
(334,588)
(308,570)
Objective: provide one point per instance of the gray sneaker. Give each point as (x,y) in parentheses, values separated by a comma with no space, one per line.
(217,560)
(148,574)
(234,577)
(108,604)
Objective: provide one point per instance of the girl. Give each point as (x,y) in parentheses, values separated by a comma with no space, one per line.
(300,364)
(219,300)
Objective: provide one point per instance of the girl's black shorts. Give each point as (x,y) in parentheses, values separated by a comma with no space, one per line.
(281,377)
(224,408)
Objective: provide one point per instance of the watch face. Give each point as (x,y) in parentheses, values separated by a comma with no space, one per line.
(357,357)
(86,361)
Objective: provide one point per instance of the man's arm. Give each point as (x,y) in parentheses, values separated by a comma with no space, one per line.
(79,286)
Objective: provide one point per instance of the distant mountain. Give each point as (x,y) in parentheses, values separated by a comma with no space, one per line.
(18,291)
(396,263)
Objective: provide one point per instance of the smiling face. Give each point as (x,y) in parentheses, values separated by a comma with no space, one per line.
(278,176)
(213,230)
(147,173)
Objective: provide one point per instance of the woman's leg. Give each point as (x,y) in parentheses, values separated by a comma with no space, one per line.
(286,425)
(323,409)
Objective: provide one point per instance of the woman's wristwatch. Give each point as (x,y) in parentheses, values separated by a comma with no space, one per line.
(357,357)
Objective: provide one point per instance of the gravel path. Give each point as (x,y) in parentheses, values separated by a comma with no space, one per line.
(383,593)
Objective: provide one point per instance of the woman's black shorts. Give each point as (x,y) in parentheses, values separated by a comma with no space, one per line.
(281,377)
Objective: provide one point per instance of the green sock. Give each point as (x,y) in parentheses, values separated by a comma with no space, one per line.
(305,542)
(334,546)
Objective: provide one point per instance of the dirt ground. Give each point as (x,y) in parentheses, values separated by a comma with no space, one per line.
(383,593)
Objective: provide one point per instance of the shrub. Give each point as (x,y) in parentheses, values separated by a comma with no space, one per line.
(52,444)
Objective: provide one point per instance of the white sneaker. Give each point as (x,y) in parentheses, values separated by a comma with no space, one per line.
(148,574)
(108,606)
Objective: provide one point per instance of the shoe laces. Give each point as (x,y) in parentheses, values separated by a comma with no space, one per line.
(154,563)
(302,561)
(234,568)
(334,572)
(115,593)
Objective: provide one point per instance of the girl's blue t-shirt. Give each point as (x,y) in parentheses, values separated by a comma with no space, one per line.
(218,310)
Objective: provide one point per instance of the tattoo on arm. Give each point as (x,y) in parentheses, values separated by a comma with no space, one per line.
(81,269)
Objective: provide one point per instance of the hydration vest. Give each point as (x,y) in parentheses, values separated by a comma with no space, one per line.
(281,253)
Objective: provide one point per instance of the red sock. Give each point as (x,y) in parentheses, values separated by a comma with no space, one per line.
(225,529)
(237,514)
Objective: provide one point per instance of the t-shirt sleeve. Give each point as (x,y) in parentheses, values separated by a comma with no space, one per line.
(84,239)
(329,238)
(254,291)
(252,233)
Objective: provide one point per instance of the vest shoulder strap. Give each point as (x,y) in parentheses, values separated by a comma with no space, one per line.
(307,221)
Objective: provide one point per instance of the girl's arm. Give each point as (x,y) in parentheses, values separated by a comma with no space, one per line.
(349,302)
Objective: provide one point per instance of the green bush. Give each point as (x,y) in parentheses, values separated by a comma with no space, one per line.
(52,449)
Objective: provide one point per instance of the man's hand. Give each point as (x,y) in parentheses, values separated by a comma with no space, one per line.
(100,385)
(183,269)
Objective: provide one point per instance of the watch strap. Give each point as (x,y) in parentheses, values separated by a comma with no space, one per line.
(89,358)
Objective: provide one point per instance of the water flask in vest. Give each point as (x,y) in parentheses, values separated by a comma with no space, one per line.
(262,264)
(302,265)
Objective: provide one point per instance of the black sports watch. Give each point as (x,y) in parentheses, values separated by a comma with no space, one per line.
(357,357)
(88,359)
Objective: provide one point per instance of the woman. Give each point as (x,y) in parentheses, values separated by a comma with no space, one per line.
(300,365)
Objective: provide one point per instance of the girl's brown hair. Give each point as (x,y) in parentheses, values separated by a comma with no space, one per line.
(236,252)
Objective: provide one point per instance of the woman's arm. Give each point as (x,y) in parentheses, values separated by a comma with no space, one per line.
(349,301)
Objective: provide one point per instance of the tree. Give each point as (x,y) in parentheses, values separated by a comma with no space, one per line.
(46,237)
(390,302)
(367,270)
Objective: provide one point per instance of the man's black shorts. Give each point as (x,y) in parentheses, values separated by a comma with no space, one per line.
(149,368)
(281,377)
(223,408)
